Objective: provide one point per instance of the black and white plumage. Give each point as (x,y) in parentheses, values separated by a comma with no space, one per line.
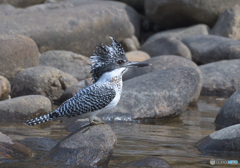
(108,65)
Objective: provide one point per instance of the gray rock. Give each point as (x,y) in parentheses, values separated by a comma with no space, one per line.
(130,44)
(158,94)
(42,80)
(149,163)
(179,13)
(166,46)
(206,49)
(42,144)
(91,146)
(166,62)
(5,88)
(228,24)
(220,78)
(136,4)
(229,114)
(12,150)
(72,90)
(223,142)
(69,62)
(21,3)
(180,33)
(17,52)
(85,24)
(24,107)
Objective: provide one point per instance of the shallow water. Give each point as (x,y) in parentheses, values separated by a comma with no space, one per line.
(173,140)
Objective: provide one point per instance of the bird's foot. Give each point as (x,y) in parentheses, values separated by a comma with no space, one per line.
(96,121)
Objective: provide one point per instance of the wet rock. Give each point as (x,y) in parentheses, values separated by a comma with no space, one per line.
(42,144)
(229,113)
(166,62)
(158,94)
(5,88)
(166,46)
(12,150)
(228,24)
(42,80)
(69,62)
(24,107)
(179,13)
(137,56)
(72,90)
(149,163)
(91,146)
(17,52)
(206,49)
(22,3)
(220,78)
(85,24)
(224,142)
(180,33)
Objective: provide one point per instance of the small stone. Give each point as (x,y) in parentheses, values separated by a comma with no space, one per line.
(42,80)
(137,56)
(5,88)
(69,62)
(220,78)
(166,46)
(229,114)
(130,44)
(24,107)
(91,146)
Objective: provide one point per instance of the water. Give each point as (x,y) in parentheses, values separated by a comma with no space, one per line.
(173,140)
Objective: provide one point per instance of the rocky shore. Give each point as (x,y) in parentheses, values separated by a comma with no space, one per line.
(45,45)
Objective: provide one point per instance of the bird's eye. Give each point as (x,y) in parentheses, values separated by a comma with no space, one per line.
(120,62)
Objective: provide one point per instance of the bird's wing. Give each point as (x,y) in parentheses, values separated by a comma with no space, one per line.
(92,98)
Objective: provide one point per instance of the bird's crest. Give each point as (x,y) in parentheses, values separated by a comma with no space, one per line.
(105,58)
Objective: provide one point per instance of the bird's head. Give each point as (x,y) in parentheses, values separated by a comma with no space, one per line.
(108,58)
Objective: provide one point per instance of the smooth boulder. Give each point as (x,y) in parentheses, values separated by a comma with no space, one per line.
(5,88)
(85,24)
(24,107)
(220,78)
(209,48)
(229,114)
(17,53)
(224,142)
(75,64)
(42,80)
(91,146)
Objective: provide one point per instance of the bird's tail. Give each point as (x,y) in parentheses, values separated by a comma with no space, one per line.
(42,119)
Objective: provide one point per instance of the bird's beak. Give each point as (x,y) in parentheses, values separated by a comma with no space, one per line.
(137,64)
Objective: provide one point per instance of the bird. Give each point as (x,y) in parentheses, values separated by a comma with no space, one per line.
(109,63)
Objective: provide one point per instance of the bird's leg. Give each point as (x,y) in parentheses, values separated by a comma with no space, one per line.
(94,120)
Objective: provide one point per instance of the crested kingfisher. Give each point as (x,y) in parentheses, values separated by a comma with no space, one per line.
(109,63)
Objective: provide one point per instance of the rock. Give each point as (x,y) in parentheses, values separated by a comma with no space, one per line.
(223,142)
(166,62)
(5,88)
(69,62)
(228,24)
(85,24)
(17,52)
(159,94)
(24,107)
(22,3)
(180,33)
(166,46)
(206,49)
(229,114)
(91,146)
(180,13)
(137,56)
(12,150)
(42,80)
(72,90)
(220,78)
(138,5)
(130,44)
(42,144)
(149,163)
